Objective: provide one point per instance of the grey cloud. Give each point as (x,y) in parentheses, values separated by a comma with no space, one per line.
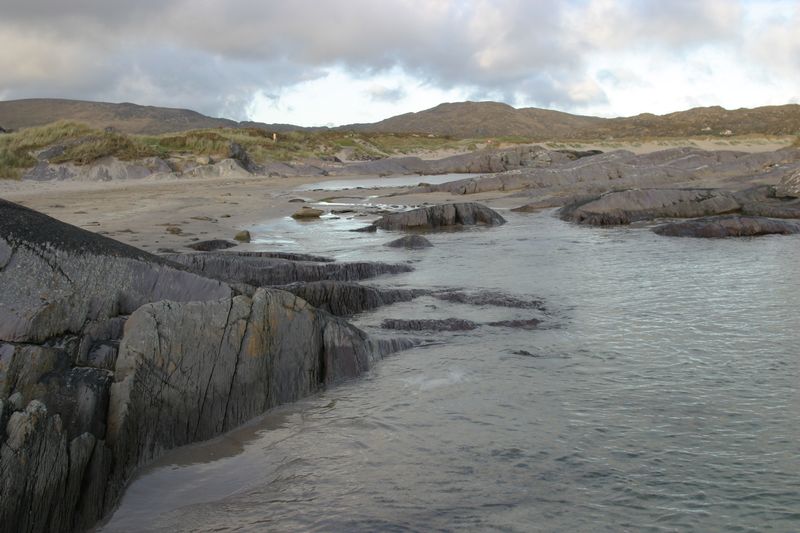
(213,56)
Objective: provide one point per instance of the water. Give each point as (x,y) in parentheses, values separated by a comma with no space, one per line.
(660,394)
(373,182)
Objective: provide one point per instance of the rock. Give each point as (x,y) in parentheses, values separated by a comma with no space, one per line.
(490,298)
(440,216)
(242,236)
(110,355)
(429,324)
(268,269)
(728,226)
(646,204)
(211,245)
(410,242)
(529,323)
(238,153)
(307,212)
(104,169)
(57,277)
(297,201)
(789,186)
(343,298)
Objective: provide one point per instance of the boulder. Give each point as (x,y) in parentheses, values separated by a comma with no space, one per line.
(410,242)
(629,206)
(242,236)
(307,212)
(728,226)
(440,217)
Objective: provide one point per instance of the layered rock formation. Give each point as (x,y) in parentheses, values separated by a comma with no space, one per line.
(728,226)
(623,169)
(789,186)
(109,355)
(645,204)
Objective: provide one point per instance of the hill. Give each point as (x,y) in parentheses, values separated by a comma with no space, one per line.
(125,117)
(462,120)
(482,119)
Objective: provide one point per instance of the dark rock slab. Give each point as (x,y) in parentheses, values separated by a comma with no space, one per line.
(212,245)
(430,324)
(728,226)
(440,217)
(490,298)
(342,298)
(410,242)
(267,270)
(527,323)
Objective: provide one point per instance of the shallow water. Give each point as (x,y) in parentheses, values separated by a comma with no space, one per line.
(660,394)
(375,182)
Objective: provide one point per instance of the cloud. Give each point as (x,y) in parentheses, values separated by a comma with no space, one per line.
(216,56)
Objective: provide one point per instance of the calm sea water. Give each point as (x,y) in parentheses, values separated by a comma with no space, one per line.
(659,394)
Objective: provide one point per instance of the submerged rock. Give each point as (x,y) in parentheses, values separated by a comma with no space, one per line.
(430,324)
(491,298)
(440,216)
(410,242)
(728,226)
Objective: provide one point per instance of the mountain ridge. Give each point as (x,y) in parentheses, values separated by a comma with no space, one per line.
(455,119)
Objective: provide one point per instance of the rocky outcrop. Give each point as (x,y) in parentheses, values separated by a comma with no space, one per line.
(109,355)
(266,269)
(789,186)
(646,204)
(623,169)
(477,162)
(728,226)
(105,169)
(56,278)
(343,298)
(490,298)
(438,217)
(410,242)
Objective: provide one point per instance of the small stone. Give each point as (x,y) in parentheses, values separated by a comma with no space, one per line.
(242,236)
(410,242)
(308,212)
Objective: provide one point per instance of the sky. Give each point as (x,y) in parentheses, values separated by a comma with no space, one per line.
(331,62)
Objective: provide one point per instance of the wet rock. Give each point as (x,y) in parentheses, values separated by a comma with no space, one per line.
(728,226)
(342,298)
(267,269)
(307,212)
(489,298)
(440,216)
(529,323)
(238,153)
(764,201)
(410,242)
(211,245)
(242,236)
(646,204)
(445,324)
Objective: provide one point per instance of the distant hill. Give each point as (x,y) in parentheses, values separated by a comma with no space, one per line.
(126,117)
(460,120)
(492,119)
